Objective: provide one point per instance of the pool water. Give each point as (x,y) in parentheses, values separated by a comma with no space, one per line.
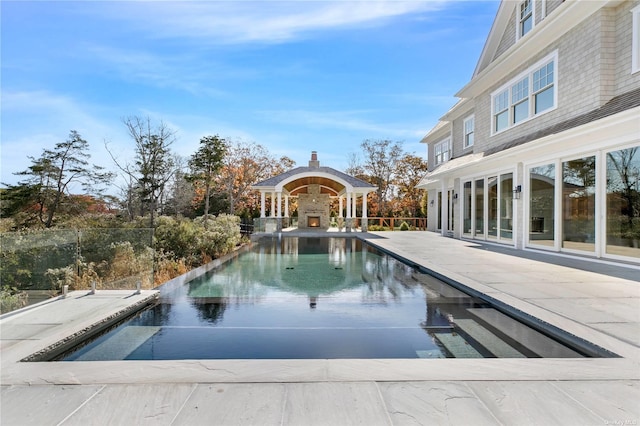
(318,298)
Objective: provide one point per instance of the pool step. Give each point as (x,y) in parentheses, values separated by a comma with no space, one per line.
(120,345)
(429,353)
(487,339)
(456,344)
(537,342)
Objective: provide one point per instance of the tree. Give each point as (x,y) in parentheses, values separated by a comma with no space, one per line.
(380,160)
(179,200)
(154,164)
(355,167)
(56,171)
(410,169)
(245,164)
(205,165)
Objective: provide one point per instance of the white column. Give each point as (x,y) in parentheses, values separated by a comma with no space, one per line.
(279,205)
(273,204)
(364,205)
(354,200)
(286,206)
(262,203)
(340,207)
(444,207)
(348,206)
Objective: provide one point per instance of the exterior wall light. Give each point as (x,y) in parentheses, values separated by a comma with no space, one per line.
(517,191)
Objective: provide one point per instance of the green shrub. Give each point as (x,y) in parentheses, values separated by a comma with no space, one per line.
(404,226)
(12,299)
(195,241)
(178,236)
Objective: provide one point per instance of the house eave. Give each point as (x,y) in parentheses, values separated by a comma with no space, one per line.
(552,28)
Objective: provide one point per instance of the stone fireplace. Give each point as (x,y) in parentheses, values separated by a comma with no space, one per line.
(313,221)
(314,209)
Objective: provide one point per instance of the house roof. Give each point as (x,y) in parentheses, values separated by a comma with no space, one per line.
(353,181)
(453,164)
(436,129)
(332,181)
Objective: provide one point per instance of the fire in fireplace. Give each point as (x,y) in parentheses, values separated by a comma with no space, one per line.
(313,221)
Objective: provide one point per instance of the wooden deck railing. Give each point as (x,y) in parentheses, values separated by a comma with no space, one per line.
(394,223)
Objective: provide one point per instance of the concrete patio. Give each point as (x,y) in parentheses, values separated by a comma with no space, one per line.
(595,301)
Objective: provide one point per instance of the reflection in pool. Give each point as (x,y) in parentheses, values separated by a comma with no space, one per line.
(318,298)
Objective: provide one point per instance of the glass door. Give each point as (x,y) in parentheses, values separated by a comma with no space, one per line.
(579,204)
(506,207)
(623,203)
(492,213)
(479,208)
(466,209)
(542,183)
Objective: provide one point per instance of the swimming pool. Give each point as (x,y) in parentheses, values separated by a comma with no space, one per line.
(318,298)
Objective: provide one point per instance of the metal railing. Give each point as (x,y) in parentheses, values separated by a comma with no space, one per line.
(35,266)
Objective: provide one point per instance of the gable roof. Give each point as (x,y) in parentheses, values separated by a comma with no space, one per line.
(332,181)
(498,28)
(274,181)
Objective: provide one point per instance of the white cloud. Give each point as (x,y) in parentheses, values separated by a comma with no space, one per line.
(343,120)
(182,72)
(229,22)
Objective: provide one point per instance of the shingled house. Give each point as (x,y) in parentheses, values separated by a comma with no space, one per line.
(542,150)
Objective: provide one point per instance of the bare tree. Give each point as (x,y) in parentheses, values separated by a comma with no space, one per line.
(154,164)
(245,164)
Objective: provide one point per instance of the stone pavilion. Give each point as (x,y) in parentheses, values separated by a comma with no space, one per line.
(314,187)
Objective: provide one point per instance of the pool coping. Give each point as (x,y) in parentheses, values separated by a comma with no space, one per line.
(338,370)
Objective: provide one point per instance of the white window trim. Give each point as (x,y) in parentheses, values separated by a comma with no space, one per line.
(553,57)
(533,18)
(635,40)
(464,131)
(444,142)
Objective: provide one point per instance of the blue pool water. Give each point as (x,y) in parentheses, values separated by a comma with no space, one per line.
(318,298)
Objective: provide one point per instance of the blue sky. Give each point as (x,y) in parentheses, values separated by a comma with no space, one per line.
(294,76)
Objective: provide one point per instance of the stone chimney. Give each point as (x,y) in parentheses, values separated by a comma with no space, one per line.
(314,160)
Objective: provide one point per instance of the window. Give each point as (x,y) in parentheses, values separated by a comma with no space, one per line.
(531,93)
(525,23)
(635,41)
(543,88)
(520,100)
(441,152)
(501,108)
(469,131)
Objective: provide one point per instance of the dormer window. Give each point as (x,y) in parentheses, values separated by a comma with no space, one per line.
(525,14)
